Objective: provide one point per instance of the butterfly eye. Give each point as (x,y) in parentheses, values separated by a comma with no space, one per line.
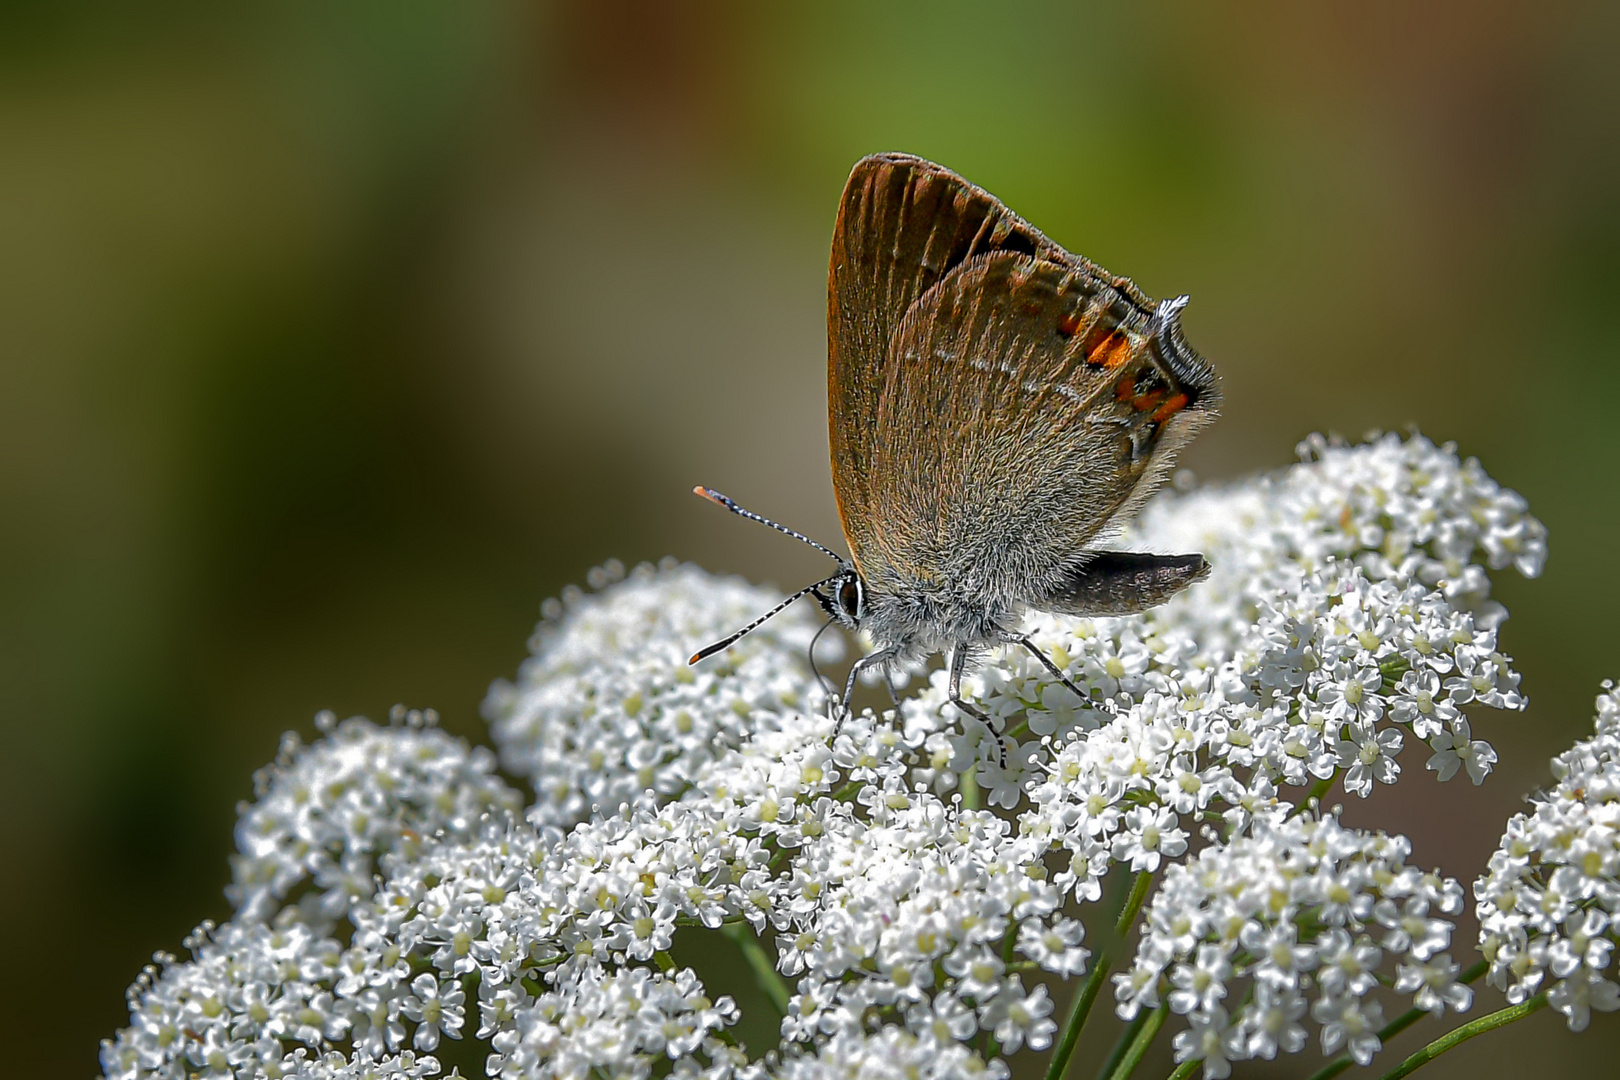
(852,598)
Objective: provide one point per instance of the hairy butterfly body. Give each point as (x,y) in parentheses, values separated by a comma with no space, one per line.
(997,408)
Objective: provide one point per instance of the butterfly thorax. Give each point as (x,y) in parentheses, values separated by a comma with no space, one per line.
(917,619)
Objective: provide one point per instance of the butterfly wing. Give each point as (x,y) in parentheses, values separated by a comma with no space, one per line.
(903,225)
(1025,404)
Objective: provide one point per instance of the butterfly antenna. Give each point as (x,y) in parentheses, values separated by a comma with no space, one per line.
(720,500)
(757,623)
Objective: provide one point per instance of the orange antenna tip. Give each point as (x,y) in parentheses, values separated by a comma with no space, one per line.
(721,501)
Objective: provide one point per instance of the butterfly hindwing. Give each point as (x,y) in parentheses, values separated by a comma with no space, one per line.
(1025,404)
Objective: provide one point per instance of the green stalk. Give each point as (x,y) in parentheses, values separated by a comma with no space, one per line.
(1318,792)
(970,788)
(1458,1036)
(1395,1026)
(1186,1069)
(1077,1017)
(1117,1054)
(1088,994)
(1140,1044)
(764,971)
(1133,903)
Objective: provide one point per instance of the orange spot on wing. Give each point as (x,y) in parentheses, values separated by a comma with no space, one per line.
(1174,404)
(1125,390)
(1069,324)
(1111,352)
(1149,400)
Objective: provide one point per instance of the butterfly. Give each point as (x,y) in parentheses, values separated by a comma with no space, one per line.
(998,408)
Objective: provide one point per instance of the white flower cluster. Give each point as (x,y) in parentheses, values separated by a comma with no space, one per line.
(607,710)
(1398,508)
(324,814)
(616,1025)
(1300,914)
(1550,903)
(891,1053)
(334,1066)
(552,932)
(671,799)
(248,990)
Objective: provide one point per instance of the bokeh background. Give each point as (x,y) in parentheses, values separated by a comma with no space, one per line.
(338,336)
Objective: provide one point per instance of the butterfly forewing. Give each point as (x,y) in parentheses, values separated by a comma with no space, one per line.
(903,224)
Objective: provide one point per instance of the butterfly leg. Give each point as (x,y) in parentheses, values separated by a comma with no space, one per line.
(958,661)
(876,659)
(1046,662)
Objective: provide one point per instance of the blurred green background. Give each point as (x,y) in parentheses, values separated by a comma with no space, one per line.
(338,336)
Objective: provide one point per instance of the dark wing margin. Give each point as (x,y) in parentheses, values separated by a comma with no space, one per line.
(903,224)
(1122,583)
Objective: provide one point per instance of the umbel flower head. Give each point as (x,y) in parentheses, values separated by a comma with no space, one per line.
(1297,914)
(607,712)
(1548,905)
(394,893)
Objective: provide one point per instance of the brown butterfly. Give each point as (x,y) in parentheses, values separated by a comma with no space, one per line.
(998,408)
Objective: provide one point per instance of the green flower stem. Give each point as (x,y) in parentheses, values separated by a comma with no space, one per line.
(729,920)
(1139,1045)
(1133,903)
(1186,1069)
(1087,996)
(1395,1026)
(764,971)
(665,962)
(1117,1054)
(970,788)
(1318,792)
(1460,1035)
(1077,1017)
